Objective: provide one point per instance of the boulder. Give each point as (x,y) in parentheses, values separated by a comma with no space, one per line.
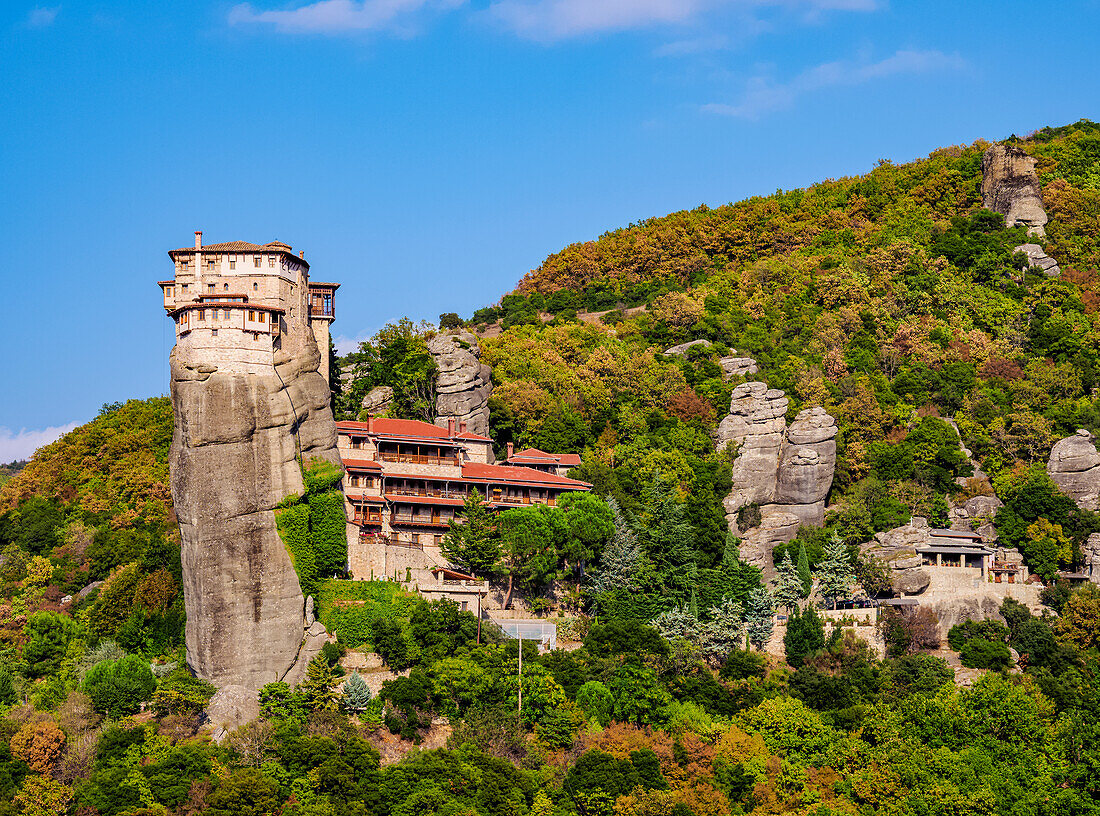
(737,367)
(377,401)
(682,349)
(1090,552)
(910,581)
(233,706)
(807,463)
(1038,259)
(463,384)
(1074,465)
(234,455)
(1010,186)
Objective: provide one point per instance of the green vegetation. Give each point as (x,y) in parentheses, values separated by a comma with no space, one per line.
(891,299)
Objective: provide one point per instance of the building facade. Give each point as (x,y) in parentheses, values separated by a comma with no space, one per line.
(558,463)
(230,303)
(406,481)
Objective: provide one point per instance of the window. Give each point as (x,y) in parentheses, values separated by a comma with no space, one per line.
(225,287)
(271,261)
(261,317)
(251,315)
(210,287)
(232,261)
(439,541)
(184,287)
(202,314)
(255,286)
(168,291)
(214,332)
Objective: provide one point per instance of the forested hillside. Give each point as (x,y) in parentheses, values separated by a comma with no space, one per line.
(893,300)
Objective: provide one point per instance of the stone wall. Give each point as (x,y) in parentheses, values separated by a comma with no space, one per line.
(234,456)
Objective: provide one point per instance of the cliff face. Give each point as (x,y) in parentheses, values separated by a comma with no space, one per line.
(233,458)
(464,384)
(787,471)
(1010,186)
(1074,465)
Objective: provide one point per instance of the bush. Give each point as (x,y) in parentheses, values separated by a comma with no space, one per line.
(596,701)
(985,654)
(742,664)
(119,687)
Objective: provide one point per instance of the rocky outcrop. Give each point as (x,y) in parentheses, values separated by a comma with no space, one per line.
(234,456)
(377,401)
(738,367)
(232,707)
(786,471)
(977,515)
(1010,186)
(463,384)
(1074,465)
(897,548)
(1038,259)
(1090,556)
(683,348)
(732,366)
(776,527)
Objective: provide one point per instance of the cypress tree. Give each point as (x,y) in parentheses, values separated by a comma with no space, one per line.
(835,573)
(804,574)
(788,587)
(759,612)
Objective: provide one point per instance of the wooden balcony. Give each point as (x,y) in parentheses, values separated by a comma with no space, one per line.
(439,522)
(432,494)
(417,459)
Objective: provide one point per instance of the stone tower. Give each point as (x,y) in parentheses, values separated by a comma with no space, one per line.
(250,398)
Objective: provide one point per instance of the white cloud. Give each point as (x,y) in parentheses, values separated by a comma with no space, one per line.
(15,446)
(341,16)
(42,17)
(560,19)
(764,95)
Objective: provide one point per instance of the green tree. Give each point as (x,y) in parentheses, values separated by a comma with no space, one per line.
(246,792)
(588,527)
(666,537)
(48,635)
(805,635)
(803,566)
(317,689)
(639,697)
(723,633)
(835,575)
(759,617)
(356,695)
(788,586)
(527,546)
(119,687)
(596,701)
(619,560)
(472,542)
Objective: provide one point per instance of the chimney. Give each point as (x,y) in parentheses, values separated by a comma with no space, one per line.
(511,450)
(198,239)
(370,424)
(451,426)
(462,427)
(301,253)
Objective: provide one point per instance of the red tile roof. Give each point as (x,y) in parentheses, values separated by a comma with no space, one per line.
(360,464)
(536,456)
(472,471)
(397,427)
(473,436)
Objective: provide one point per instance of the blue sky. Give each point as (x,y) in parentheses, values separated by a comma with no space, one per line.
(427,153)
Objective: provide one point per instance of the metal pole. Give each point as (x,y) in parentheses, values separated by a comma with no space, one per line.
(479,617)
(519,711)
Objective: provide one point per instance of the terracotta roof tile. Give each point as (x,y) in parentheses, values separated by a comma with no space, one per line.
(507,473)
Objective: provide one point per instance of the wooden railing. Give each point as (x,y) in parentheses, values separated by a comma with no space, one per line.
(416,459)
(434,494)
(361,519)
(423,521)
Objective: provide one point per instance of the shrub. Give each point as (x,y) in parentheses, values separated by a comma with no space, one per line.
(596,701)
(38,744)
(120,687)
(985,654)
(742,664)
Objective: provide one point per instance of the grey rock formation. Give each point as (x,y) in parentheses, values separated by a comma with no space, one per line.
(738,367)
(756,424)
(682,349)
(1074,465)
(1090,552)
(910,581)
(233,458)
(464,384)
(1038,259)
(776,527)
(1010,186)
(377,400)
(787,471)
(232,707)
